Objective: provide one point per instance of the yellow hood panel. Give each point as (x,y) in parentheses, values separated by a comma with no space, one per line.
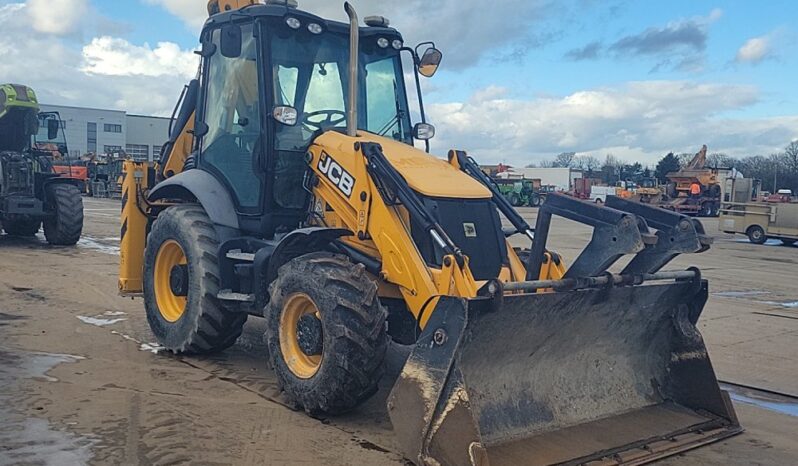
(426,174)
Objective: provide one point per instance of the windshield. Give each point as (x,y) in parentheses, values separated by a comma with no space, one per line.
(55,147)
(310,74)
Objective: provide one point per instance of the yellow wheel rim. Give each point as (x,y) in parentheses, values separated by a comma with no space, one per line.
(170,305)
(302,365)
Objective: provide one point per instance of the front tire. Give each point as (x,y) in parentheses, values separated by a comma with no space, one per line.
(181,282)
(65,225)
(756,234)
(326,333)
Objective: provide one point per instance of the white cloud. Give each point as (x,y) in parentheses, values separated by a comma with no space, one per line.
(637,120)
(117,57)
(57,17)
(754,50)
(192,12)
(464,29)
(105,73)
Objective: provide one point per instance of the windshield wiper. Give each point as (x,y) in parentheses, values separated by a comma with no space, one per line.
(397,119)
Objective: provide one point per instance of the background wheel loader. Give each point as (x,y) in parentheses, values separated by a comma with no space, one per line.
(32,194)
(291,189)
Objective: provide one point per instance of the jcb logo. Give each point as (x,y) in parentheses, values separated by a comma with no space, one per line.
(336,174)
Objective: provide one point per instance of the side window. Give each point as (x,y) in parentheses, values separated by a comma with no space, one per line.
(285,82)
(386,102)
(232,113)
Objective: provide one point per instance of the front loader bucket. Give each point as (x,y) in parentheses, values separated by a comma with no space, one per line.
(616,375)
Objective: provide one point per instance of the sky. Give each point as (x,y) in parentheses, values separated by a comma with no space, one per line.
(521,80)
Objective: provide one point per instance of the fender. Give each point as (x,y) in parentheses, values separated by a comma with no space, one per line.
(299,242)
(63,180)
(207,190)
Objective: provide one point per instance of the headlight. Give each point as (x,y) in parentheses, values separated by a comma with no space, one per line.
(293,23)
(315,28)
(397,44)
(383,43)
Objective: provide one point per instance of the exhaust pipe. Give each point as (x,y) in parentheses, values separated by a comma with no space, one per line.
(354,53)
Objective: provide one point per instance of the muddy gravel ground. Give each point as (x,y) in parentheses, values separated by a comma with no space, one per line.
(82,380)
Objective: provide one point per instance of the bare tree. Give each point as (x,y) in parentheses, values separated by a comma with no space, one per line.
(565,160)
(791,157)
(587,163)
(685,158)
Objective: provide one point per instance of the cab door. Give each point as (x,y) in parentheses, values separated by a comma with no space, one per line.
(232,147)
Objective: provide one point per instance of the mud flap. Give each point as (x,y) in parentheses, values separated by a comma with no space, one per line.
(607,376)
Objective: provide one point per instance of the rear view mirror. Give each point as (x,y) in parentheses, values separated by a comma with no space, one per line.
(52,129)
(428,65)
(285,115)
(231,41)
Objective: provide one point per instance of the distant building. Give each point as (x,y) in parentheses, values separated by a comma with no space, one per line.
(97,131)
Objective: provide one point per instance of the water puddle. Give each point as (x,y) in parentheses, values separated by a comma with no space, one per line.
(100,321)
(739,294)
(33,441)
(153,348)
(22,364)
(87,242)
(28,440)
(766,400)
(770,242)
(787,304)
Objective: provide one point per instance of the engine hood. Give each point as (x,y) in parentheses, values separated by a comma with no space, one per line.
(427,175)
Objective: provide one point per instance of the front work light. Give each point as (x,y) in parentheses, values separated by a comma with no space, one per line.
(293,23)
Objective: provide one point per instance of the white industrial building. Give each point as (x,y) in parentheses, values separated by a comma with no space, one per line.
(97,131)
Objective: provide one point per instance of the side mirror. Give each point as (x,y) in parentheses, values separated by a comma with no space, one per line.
(423,131)
(286,115)
(52,129)
(231,41)
(430,61)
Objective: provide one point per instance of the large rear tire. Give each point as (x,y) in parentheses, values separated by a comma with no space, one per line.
(326,333)
(181,284)
(22,227)
(65,225)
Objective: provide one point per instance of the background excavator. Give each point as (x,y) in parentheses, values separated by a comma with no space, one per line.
(709,180)
(291,189)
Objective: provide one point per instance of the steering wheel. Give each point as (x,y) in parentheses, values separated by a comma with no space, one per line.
(331,119)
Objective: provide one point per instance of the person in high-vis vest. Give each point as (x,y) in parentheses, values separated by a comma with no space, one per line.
(695,190)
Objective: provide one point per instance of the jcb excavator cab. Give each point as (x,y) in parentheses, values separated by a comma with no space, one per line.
(290,189)
(274,78)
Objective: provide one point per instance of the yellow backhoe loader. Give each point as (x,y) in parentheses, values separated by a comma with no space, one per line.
(291,189)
